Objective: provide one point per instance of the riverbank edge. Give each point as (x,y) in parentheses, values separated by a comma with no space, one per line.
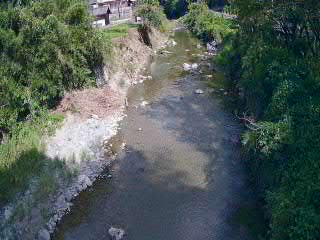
(131,54)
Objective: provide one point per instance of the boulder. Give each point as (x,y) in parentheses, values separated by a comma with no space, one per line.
(44,234)
(116,233)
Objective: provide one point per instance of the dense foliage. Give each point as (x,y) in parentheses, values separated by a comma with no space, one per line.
(152,14)
(175,8)
(47,48)
(274,61)
(206,24)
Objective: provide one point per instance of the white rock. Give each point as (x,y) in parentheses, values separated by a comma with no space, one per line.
(140,129)
(44,234)
(187,66)
(198,91)
(150,77)
(144,103)
(194,66)
(208,76)
(116,233)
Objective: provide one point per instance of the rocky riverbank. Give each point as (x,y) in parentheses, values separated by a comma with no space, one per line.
(79,151)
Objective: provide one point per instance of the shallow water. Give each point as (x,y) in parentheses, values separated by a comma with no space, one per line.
(181,177)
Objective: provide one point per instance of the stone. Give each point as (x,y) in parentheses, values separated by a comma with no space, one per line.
(187,66)
(208,76)
(44,234)
(144,103)
(194,66)
(116,233)
(198,91)
(140,129)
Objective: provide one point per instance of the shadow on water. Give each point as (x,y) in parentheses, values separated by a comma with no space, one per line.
(181,177)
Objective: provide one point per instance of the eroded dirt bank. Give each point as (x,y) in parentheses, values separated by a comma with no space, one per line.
(79,150)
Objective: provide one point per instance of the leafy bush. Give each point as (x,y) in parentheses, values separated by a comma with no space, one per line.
(46,48)
(175,8)
(207,25)
(152,15)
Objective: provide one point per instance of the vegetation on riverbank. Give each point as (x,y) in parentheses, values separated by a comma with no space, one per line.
(152,15)
(47,48)
(272,60)
(206,25)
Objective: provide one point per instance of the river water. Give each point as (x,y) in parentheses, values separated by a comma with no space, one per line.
(181,176)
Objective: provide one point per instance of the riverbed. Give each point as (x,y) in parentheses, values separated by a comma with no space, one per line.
(179,175)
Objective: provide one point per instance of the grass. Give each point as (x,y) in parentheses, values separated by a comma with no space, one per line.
(118,31)
(21,155)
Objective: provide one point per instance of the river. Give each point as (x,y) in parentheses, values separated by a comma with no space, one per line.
(181,176)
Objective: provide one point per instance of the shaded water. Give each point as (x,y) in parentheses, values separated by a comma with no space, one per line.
(181,177)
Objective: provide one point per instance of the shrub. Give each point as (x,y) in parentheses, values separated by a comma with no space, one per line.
(207,25)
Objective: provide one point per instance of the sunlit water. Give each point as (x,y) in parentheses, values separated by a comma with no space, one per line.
(181,177)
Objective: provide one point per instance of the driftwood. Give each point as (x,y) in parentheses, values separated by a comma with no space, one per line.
(249,122)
